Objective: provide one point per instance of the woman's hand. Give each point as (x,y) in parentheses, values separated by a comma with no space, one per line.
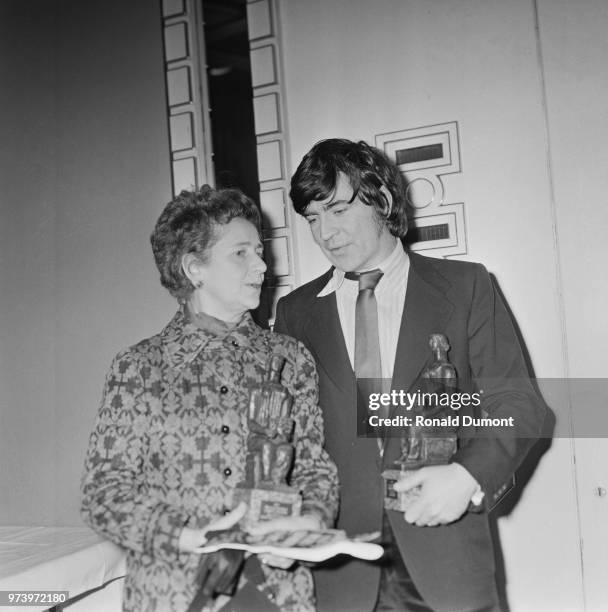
(305,522)
(190,540)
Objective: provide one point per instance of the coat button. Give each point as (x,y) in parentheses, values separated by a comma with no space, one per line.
(227,472)
(223,389)
(225,429)
(235,343)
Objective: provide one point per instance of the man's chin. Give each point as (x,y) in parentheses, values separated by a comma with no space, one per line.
(345,266)
(342,263)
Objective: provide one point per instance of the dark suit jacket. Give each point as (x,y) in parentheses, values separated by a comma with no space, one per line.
(451,565)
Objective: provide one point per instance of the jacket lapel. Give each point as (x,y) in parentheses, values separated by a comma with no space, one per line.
(426,310)
(324,333)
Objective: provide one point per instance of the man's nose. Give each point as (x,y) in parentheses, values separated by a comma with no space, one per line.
(327,227)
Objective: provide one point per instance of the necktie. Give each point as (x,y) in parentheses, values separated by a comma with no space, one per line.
(367,340)
(367,343)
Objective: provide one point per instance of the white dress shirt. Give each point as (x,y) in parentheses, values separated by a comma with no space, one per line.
(390,296)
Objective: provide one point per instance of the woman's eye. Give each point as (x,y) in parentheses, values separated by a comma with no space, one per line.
(240,252)
(338,211)
(311,220)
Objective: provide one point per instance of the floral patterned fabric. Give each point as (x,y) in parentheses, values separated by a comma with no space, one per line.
(169,446)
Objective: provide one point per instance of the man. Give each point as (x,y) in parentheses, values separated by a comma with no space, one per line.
(439,553)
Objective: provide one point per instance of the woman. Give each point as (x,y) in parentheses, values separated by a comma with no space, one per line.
(169,443)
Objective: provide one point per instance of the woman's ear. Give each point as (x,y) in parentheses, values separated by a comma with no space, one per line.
(389,200)
(192,268)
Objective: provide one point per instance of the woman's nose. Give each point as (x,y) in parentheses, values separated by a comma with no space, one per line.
(259,264)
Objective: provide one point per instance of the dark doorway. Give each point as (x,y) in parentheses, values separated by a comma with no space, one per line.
(230,95)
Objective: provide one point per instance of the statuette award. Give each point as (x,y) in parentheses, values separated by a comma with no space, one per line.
(270,452)
(432,439)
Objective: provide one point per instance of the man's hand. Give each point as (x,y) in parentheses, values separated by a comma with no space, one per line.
(306,522)
(445,493)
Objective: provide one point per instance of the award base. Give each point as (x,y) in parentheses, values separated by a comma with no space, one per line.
(401,500)
(433,451)
(268,503)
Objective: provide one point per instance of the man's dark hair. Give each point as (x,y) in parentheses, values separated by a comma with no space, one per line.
(368,170)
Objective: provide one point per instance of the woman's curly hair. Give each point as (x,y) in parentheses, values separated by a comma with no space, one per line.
(189,224)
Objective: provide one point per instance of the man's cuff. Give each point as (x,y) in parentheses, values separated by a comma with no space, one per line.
(478,494)
(477,497)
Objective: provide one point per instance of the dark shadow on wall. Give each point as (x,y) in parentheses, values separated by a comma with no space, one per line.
(231,95)
(263,314)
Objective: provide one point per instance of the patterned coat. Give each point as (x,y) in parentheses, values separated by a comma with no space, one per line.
(169,446)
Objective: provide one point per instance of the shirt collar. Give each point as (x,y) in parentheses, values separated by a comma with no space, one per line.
(182,340)
(395,261)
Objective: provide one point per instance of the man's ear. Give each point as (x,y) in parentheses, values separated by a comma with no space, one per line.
(191,267)
(389,200)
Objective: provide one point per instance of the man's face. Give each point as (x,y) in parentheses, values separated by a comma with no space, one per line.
(351,234)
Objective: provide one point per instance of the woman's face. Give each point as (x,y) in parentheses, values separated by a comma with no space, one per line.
(233,273)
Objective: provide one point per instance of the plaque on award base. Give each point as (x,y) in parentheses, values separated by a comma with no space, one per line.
(428,444)
(270,451)
(268,503)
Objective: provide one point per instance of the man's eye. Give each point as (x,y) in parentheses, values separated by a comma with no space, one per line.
(338,211)
(311,220)
(240,252)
